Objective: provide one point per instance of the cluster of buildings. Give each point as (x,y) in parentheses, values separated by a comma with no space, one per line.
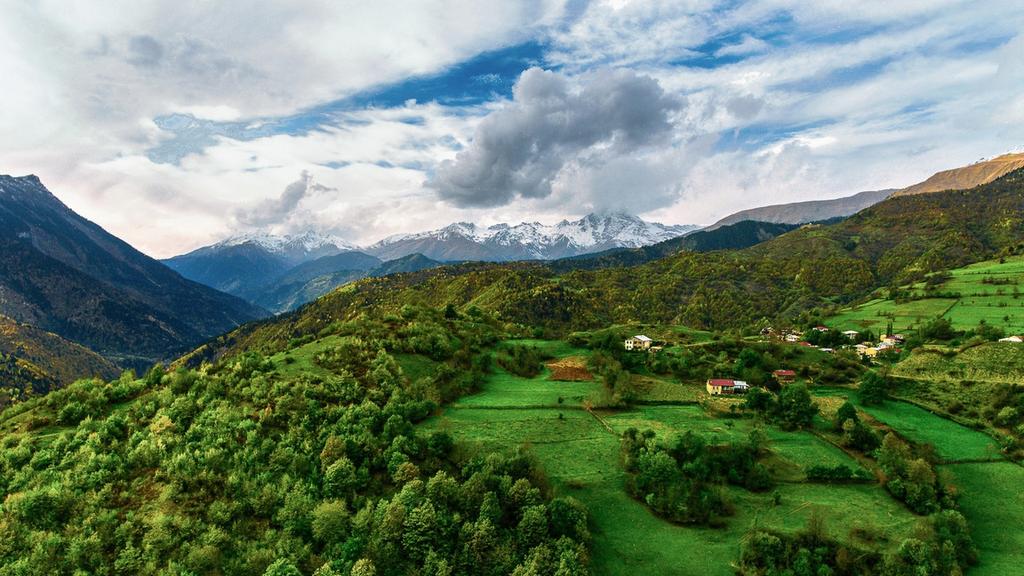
(888,343)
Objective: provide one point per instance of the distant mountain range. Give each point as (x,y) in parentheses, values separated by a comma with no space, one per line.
(806,212)
(529,241)
(66,275)
(239,264)
(280,273)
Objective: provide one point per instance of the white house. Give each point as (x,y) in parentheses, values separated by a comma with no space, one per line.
(1014,339)
(851,334)
(638,342)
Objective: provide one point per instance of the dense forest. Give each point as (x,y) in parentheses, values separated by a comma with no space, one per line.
(281,465)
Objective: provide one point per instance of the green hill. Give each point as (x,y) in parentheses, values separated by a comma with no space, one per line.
(904,237)
(305,460)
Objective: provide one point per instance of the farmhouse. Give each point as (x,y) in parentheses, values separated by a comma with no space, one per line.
(720,386)
(784,376)
(638,342)
(1014,339)
(851,334)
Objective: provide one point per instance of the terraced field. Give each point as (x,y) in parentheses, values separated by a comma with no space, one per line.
(989,291)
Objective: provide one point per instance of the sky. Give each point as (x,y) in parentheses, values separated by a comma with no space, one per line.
(176,124)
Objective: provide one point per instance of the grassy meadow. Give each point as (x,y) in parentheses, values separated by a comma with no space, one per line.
(992,501)
(988,291)
(952,441)
(580,452)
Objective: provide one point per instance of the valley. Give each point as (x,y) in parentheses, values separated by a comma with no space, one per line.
(695,406)
(499,288)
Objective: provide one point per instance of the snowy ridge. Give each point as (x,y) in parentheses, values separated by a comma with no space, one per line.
(289,243)
(530,240)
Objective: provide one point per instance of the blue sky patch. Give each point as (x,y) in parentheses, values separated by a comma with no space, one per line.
(488,76)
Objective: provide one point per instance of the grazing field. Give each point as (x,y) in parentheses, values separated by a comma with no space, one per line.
(554,348)
(995,362)
(509,390)
(581,458)
(665,390)
(876,314)
(989,291)
(993,502)
(952,441)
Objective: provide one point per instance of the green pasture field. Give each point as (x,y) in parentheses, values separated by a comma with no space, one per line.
(581,458)
(993,503)
(875,315)
(952,441)
(508,390)
(666,390)
(998,304)
(997,362)
(415,366)
(553,348)
(298,361)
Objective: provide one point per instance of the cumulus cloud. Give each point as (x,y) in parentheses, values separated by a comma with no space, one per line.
(278,210)
(552,122)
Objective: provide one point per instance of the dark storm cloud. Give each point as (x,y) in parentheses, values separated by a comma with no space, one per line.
(518,150)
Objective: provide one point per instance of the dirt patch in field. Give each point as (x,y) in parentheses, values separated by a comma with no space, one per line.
(829,405)
(570,369)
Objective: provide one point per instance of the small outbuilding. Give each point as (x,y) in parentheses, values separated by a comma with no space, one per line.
(784,376)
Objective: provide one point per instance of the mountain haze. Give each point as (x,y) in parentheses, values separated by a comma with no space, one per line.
(809,211)
(239,264)
(307,282)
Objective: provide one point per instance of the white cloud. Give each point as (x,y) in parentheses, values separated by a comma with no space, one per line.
(843,97)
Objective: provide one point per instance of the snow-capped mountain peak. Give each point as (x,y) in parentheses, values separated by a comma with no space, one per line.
(307,241)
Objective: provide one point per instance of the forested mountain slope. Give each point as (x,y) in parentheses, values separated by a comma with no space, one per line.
(65,274)
(304,461)
(818,264)
(37,361)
